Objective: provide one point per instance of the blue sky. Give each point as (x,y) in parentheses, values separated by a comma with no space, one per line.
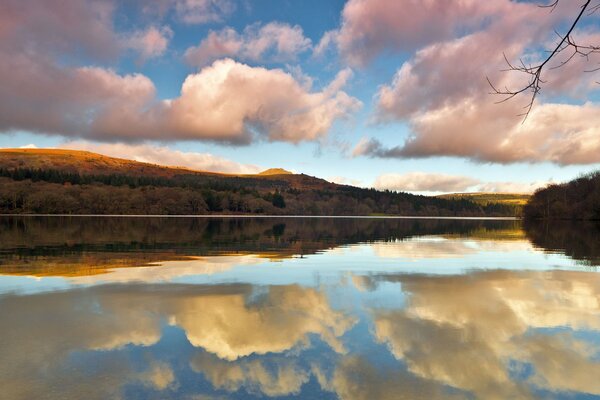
(411,84)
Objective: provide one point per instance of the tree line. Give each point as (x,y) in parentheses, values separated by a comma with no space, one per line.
(578,199)
(48,191)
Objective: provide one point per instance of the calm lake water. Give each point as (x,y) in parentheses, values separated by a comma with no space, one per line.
(311,308)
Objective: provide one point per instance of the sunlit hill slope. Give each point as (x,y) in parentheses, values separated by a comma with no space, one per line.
(79,182)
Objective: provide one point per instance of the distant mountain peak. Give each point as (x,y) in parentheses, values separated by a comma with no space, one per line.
(276,171)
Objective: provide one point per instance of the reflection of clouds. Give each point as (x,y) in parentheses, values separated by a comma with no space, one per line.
(229,321)
(464,330)
(355,378)
(283,378)
(158,375)
(563,363)
(230,328)
(45,330)
(427,247)
(167,270)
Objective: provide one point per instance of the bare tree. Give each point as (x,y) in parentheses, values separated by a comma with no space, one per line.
(566,45)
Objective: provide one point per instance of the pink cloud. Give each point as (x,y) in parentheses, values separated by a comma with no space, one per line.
(149,43)
(66,26)
(443,96)
(274,41)
(370,26)
(226,101)
(39,96)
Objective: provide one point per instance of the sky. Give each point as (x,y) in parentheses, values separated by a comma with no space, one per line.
(391,94)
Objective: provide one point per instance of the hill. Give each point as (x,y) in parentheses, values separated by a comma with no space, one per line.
(513,199)
(578,199)
(275,171)
(79,182)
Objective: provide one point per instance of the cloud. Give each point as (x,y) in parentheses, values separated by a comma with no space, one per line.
(165,156)
(560,133)
(371,26)
(253,375)
(328,39)
(424,182)
(44,90)
(446,183)
(274,41)
(441,91)
(227,102)
(511,187)
(203,11)
(149,43)
(74,27)
(342,180)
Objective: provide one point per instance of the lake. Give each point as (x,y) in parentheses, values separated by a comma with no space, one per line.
(311,308)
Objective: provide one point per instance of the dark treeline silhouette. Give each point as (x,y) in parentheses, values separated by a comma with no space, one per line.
(578,199)
(50,191)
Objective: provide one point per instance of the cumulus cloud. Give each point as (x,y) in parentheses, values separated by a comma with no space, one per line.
(70,26)
(560,133)
(274,41)
(149,43)
(441,91)
(227,101)
(370,26)
(163,155)
(446,183)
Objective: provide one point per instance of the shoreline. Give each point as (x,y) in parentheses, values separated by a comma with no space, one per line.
(262,216)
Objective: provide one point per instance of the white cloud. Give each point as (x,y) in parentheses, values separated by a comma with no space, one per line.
(342,180)
(446,183)
(165,156)
(274,41)
(424,182)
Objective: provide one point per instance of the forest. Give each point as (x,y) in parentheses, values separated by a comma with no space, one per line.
(578,199)
(26,190)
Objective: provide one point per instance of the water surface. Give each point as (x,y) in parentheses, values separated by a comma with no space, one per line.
(205,308)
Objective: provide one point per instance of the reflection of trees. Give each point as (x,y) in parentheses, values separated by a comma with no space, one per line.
(78,245)
(578,240)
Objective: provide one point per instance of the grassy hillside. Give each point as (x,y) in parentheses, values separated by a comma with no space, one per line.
(88,163)
(515,199)
(78,182)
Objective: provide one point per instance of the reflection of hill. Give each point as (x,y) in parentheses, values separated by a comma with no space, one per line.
(83,246)
(578,240)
